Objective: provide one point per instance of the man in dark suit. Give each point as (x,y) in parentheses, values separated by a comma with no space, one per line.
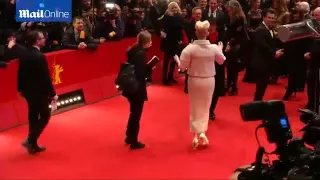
(313,74)
(264,53)
(76,38)
(34,84)
(213,12)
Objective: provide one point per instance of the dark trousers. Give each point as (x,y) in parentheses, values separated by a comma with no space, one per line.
(232,73)
(38,116)
(261,84)
(312,88)
(133,126)
(292,82)
(214,102)
(168,68)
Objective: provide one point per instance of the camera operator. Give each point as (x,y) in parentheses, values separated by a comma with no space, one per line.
(76,38)
(314,65)
(134,23)
(110,25)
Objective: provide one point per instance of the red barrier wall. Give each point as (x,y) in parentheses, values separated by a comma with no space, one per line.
(92,71)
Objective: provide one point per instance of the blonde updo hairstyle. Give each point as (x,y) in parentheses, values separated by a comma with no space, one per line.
(171,6)
(202,29)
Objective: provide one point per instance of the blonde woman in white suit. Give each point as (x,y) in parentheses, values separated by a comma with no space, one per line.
(199,58)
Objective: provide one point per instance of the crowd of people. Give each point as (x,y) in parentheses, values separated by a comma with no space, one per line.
(245,31)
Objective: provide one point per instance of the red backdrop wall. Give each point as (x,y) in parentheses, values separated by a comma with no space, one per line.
(92,71)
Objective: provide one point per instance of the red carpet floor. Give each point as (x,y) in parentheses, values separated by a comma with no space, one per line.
(88,142)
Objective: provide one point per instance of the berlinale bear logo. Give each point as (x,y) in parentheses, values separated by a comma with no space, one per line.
(57,69)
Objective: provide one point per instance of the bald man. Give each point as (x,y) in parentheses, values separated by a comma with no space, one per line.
(313,74)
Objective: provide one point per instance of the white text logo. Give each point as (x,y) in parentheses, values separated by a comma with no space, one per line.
(43,14)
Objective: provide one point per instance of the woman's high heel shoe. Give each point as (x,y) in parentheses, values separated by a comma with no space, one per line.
(233,92)
(195,142)
(204,140)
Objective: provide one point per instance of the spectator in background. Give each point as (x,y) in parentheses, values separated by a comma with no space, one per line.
(6,51)
(75,37)
(151,14)
(110,25)
(8,16)
(55,33)
(134,23)
(90,20)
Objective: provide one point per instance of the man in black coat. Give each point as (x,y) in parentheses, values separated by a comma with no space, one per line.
(264,53)
(34,84)
(313,73)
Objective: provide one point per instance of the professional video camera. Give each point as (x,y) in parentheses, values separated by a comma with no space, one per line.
(292,153)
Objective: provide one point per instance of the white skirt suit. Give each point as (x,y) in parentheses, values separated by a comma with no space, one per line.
(199,58)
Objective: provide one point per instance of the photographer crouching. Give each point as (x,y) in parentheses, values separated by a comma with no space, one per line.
(109,25)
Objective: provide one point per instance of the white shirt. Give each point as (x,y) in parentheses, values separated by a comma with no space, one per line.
(271,32)
(200,57)
(214,13)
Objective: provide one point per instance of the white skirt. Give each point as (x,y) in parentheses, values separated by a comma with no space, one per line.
(200,92)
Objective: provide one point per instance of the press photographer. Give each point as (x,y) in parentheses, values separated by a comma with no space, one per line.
(134,22)
(293,155)
(110,25)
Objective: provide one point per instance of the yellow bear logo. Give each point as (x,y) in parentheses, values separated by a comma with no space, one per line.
(57,69)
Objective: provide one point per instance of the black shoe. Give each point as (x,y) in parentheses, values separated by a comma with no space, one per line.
(233,92)
(212,116)
(32,149)
(127,141)
(137,145)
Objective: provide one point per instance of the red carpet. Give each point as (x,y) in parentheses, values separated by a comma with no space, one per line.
(88,143)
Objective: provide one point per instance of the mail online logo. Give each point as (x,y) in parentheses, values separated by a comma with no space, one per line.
(43,10)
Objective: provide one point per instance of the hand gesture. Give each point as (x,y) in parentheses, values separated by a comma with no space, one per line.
(307,56)
(163,34)
(228,48)
(102,40)
(279,53)
(82,45)
(54,103)
(150,2)
(11,43)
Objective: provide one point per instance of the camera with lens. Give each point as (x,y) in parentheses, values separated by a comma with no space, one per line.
(110,11)
(294,158)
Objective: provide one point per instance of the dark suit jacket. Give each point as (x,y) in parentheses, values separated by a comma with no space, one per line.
(220,19)
(33,75)
(69,40)
(137,57)
(264,49)
(172,26)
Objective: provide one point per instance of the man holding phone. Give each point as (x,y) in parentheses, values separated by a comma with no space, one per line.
(264,53)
